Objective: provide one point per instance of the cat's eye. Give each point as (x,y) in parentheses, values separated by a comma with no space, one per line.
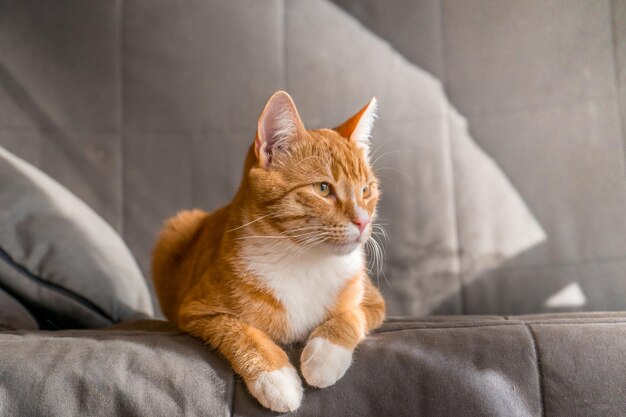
(322,188)
(366,191)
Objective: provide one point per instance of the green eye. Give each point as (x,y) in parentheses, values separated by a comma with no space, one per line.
(322,188)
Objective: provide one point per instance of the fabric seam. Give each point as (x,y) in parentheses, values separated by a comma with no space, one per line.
(509,324)
(542,395)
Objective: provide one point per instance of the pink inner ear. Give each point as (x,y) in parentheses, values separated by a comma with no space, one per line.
(278,124)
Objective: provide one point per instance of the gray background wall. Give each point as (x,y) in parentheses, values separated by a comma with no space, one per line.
(542,83)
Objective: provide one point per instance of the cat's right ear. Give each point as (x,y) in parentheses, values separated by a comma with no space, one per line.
(279,123)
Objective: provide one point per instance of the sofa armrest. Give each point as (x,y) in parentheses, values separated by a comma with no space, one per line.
(554,365)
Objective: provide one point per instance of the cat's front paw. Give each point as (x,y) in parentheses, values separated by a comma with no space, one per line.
(279,390)
(323,362)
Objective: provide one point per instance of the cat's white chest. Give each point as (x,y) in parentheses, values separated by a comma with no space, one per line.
(307,287)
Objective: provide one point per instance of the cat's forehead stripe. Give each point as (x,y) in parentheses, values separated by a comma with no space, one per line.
(341,157)
(348,164)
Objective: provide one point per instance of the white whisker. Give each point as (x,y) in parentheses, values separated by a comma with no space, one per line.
(249,223)
(389,153)
(396,170)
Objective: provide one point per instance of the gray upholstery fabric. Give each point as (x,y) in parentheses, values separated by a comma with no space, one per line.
(143,108)
(59,258)
(13,315)
(560,365)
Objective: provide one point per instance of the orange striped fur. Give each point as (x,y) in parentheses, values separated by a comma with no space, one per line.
(283,261)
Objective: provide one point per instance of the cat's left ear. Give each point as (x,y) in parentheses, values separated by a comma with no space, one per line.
(359,127)
(278,125)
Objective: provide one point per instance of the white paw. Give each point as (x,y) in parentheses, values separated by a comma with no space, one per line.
(279,390)
(323,362)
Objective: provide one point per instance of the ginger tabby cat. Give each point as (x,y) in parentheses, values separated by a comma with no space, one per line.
(284,261)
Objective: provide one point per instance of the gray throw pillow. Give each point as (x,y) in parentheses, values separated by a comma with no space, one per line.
(13,315)
(59,258)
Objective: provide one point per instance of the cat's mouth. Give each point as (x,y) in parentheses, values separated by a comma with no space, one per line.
(341,243)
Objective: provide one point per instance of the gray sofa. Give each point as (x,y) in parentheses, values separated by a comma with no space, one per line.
(142,108)
(544,365)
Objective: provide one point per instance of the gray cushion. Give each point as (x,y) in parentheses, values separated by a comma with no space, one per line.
(59,257)
(14,315)
(560,365)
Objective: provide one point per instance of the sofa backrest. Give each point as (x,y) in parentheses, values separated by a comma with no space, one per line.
(143,108)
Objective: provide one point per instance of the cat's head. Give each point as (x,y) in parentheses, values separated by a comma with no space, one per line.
(315,188)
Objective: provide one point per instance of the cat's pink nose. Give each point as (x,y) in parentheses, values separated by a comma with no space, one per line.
(361,222)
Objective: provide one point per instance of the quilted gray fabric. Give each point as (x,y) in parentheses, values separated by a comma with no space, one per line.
(59,258)
(558,366)
(147,107)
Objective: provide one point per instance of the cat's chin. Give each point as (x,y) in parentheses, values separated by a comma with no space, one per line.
(340,249)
